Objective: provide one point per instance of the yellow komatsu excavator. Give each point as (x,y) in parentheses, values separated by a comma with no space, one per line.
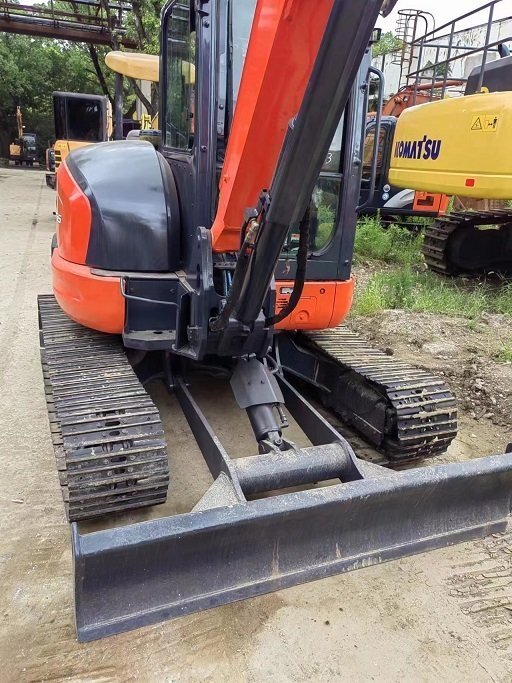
(183,263)
(462,147)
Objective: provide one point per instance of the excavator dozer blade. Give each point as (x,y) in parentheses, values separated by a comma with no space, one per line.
(228,550)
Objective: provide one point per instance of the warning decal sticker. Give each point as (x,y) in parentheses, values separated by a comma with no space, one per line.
(487,123)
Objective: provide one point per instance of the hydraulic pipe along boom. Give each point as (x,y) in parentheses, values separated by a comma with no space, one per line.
(306,145)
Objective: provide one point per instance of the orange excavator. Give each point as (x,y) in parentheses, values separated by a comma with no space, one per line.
(229,252)
(413,95)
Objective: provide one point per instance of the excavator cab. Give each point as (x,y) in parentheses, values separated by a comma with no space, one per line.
(80,120)
(393,204)
(215,255)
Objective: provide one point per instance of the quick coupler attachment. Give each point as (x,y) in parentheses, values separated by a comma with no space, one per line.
(230,548)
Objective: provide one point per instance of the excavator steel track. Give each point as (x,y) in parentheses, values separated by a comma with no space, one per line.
(418,414)
(437,236)
(107,435)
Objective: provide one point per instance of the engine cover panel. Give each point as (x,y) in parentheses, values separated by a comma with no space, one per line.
(135,220)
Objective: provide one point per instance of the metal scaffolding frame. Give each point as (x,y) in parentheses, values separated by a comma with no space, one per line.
(423,73)
(99,22)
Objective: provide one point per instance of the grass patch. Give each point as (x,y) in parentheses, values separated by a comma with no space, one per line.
(505,355)
(425,292)
(393,244)
(503,300)
(410,288)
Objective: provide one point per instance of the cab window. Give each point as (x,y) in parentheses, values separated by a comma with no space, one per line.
(181,77)
(242,15)
(324,202)
(323,208)
(368,152)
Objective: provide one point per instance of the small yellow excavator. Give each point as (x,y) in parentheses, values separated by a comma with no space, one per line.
(80,120)
(24,149)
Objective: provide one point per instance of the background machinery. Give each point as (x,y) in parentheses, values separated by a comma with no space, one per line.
(183,263)
(24,148)
(80,120)
(476,239)
(395,205)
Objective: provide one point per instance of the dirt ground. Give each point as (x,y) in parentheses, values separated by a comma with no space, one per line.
(442,616)
(466,352)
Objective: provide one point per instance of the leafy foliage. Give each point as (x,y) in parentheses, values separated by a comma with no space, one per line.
(32,68)
(439,70)
(394,244)
(388,42)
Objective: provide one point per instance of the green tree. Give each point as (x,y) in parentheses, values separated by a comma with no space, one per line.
(388,42)
(32,68)
(439,70)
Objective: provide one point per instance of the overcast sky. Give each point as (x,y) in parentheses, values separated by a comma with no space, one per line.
(446,10)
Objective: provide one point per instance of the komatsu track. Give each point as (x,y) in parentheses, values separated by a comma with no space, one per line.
(406,412)
(106,431)
(455,244)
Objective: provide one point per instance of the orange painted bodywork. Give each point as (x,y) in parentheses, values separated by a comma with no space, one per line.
(97,302)
(285,38)
(429,201)
(411,96)
(322,304)
(88,299)
(284,42)
(74,217)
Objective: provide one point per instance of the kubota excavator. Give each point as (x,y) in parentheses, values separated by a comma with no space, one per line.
(186,261)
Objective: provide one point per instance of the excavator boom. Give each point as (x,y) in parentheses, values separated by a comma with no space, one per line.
(305,145)
(19,122)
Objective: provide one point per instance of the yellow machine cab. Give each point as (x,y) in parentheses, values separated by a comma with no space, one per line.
(80,119)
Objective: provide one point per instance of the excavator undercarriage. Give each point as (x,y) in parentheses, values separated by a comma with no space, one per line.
(268,521)
(405,412)
(106,431)
(109,442)
(470,243)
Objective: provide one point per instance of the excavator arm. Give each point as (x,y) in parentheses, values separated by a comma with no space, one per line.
(19,122)
(305,146)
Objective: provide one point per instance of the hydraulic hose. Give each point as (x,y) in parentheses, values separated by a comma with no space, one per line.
(300,275)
